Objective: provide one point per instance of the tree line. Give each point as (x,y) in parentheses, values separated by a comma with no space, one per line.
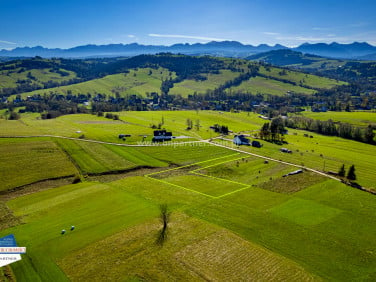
(331,128)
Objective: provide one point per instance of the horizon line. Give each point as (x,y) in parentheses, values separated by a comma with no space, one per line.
(185,43)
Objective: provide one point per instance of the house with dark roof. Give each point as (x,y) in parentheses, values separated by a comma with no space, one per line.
(241,140)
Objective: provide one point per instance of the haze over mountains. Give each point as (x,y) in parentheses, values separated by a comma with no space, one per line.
(354,50)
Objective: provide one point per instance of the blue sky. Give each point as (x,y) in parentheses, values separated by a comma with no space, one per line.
(69,23)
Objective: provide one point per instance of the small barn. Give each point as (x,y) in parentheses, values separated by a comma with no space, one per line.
(241,140)
(162,135)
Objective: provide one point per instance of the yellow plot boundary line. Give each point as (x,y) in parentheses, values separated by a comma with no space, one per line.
(245,186)
(176,168)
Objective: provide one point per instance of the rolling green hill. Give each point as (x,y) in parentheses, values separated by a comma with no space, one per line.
(286,57)
(140,82)
(212,81)
(182,75)
(10,79)
(262,85)
(137,81)
(340,69)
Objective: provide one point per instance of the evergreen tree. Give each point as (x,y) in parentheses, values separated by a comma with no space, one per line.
(265,131)
(342,171)
(197,124)
(369,135)
(351,173)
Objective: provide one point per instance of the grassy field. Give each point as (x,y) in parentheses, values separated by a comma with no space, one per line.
(189,86)
(24,161)
(96,210)
(10,78)
(320,152)
(177,121)
(301,78)
(98,158)
(304,232)
(355,118)
(263,85)
(232,214)
(118,223)
(324,153)
(303,82)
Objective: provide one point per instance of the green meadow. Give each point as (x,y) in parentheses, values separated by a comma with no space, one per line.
(189,86)
(232,215)
(9,78)
(279,82)
(25,161)
(261,85)
(301,78)
(355,118)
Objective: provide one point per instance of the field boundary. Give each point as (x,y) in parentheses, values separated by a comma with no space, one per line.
(194,172)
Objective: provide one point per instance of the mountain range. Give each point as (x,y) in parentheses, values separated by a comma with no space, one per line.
(354,50)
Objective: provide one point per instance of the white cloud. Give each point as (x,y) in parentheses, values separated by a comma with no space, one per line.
(270,33)
(321,28)
(204,38)
(131,36)
(7,42)
(328,38)
(359,24)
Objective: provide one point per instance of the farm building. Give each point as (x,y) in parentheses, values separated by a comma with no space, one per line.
(241,140)
(161,135)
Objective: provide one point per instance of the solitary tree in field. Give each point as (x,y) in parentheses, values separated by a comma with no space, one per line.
(342,171)
(189,123)
(165,217)
(197,124)
(351,173)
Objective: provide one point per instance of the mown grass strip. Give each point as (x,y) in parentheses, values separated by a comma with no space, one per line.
(181,187)
(245,186)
